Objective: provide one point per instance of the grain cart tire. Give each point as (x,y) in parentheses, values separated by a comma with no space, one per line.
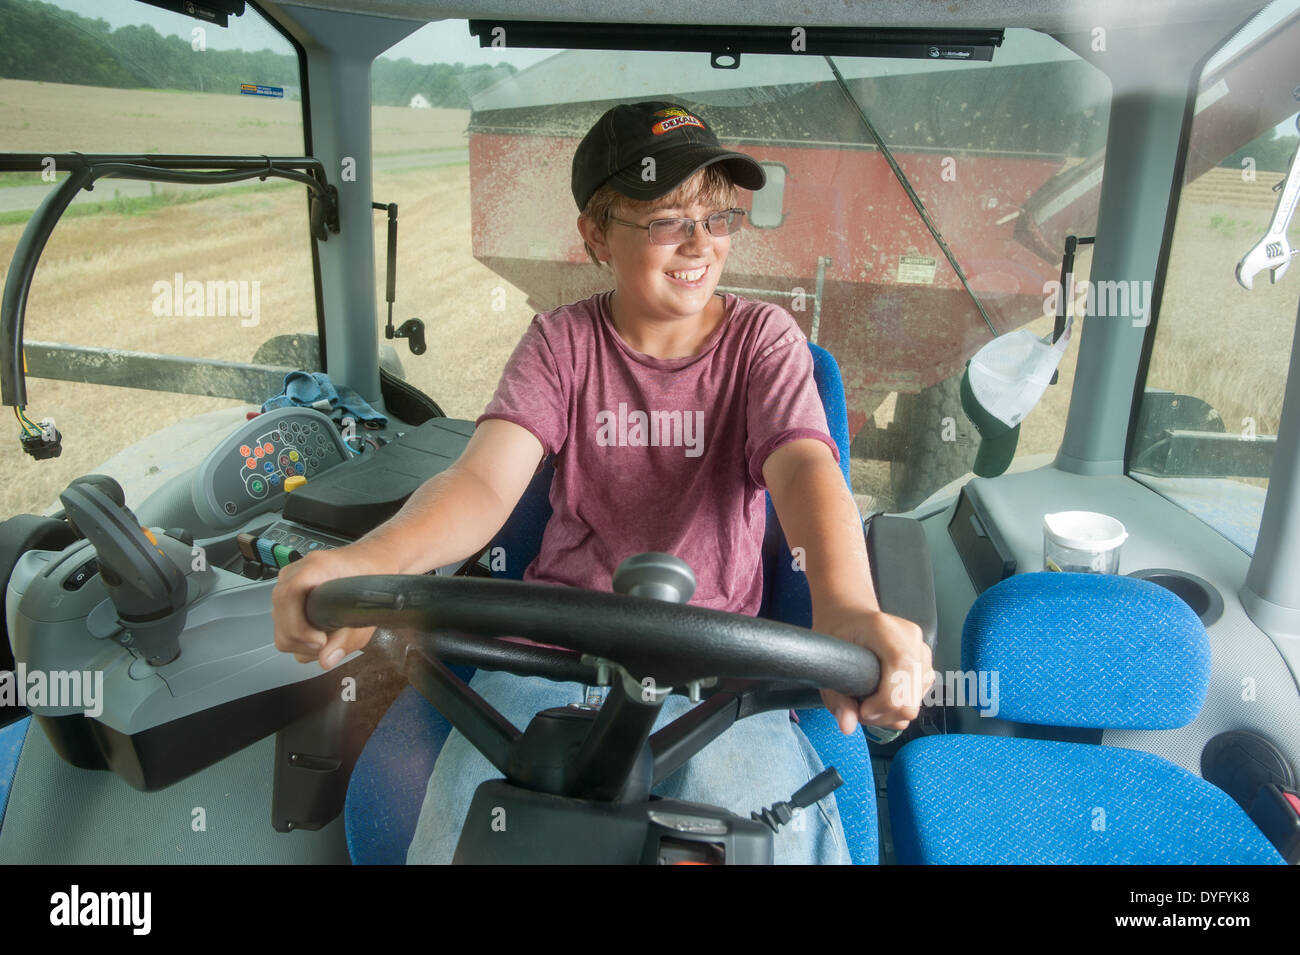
(935,450)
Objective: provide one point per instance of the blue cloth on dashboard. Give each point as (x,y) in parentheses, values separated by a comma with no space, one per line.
(305,389)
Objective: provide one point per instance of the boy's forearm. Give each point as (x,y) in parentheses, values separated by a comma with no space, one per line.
(818,515)
(449,518)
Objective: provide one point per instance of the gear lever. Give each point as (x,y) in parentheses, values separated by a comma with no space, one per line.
(816,789)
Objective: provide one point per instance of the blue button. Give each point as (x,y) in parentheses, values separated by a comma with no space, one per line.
(268,467)
(275,479)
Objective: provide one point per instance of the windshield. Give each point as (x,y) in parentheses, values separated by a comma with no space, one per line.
(1003,158)
(913,208)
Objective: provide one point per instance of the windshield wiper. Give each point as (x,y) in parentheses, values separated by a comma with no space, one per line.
(911,194)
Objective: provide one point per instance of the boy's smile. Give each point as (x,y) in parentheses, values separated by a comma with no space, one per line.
(690,278)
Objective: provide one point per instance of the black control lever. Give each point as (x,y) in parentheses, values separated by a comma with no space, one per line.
(815,790)
(148,590)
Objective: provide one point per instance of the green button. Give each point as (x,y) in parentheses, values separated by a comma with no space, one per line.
(256,486)
(281,554)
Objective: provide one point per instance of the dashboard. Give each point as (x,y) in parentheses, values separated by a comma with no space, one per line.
(256,465)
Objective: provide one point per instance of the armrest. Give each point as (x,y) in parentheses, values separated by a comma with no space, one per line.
(902,572)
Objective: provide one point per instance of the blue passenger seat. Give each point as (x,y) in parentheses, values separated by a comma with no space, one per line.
(1077,650)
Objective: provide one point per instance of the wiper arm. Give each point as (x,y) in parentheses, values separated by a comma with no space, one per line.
(911,194)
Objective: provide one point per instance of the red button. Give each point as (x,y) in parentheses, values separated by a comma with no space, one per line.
(250,463)
(269,448)
(258,452)
(245,450)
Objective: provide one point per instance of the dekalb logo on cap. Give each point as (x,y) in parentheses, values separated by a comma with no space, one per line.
(674,118)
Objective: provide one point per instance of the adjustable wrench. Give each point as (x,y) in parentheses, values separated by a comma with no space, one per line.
(1273,252)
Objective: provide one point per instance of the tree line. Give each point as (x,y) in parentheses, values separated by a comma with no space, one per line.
(40,41)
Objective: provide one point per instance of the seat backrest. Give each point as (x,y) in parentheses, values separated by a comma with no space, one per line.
(1088,650)
(785,589)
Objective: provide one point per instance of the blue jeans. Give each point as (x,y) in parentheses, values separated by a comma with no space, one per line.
(760,760)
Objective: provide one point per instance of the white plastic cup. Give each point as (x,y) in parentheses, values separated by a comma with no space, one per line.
(1082,542)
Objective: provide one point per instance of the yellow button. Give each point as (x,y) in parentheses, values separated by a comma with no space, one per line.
(293,483)
(293,455)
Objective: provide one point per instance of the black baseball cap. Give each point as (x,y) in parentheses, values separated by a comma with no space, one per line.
(998,440)
(679,141)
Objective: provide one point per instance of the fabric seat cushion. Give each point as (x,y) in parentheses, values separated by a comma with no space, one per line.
(982,800)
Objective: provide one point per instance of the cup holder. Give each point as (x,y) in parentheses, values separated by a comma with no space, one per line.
(1198,594)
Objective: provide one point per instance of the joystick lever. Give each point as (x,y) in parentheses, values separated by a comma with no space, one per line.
(147,588)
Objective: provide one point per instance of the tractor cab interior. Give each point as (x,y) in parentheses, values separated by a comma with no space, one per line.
(237,392)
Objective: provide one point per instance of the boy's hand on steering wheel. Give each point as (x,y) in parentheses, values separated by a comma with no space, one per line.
(293,633)
(905,668)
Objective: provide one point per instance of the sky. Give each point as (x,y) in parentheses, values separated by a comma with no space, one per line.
(444,42)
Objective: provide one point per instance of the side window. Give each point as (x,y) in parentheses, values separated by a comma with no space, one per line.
(218,273)
(1208,419)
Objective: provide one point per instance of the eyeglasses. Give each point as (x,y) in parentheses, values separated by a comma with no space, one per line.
(677,231)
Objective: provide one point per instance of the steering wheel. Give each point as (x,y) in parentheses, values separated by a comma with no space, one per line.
(605,757)
(670,643)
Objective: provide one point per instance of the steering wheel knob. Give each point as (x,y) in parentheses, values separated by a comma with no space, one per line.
(657,576)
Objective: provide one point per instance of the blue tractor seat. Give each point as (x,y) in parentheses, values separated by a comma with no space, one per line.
(11,746)
(1073,650)
(388,784)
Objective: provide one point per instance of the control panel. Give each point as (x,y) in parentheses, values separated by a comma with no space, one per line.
(282,543)
(275,452)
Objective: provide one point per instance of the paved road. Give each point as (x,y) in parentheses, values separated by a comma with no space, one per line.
(27,198)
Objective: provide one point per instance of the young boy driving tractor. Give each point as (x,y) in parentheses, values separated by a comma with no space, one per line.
(668,409)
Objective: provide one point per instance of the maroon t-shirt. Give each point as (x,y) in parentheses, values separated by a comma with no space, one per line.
(660,454)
